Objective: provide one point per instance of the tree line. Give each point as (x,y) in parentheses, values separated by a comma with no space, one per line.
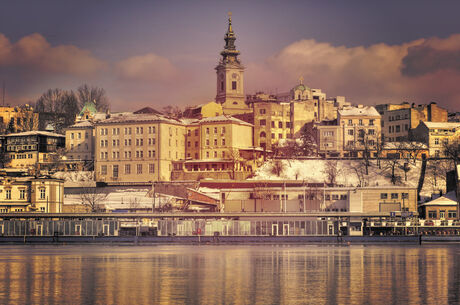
(58,108)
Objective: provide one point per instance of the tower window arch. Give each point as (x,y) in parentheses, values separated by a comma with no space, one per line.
(263,134)
(233,85)
(221,85)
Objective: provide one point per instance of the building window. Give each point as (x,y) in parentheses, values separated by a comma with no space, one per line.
(371,132)
(273,135)
(104,170)
(350,132)
(151,168)
(394,196)
(452,214)
(7,194)
(233,85)
(280,136)
(405,195)
(273,124)
(42,193)
(371,122)
(139,168)
(350,122)
(72,136)
(215,154)
(280,124)
(328,133)
(115,171)
(360,122)
(383,196)
(262,111)
(215,142)
(436,141)
(207,142)
(432,214)
(215,130)
(263,134)
(127,169)
(223,142)
(262,122)
(207,154)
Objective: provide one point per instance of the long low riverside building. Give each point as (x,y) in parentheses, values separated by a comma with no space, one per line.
(295,196)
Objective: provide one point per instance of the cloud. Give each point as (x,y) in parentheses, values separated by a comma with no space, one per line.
(418,71)
(148,67)
(431,56)
(34,53)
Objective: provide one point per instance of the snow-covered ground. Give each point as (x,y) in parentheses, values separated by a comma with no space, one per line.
(351,173)
(76,178)
(123,199)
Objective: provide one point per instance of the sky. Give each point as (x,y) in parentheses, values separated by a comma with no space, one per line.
(160,53)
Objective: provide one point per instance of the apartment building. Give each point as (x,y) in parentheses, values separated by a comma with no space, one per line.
(32,149)
(30,194)
(399,119)
(137,147)
(217,147)
(356,132)
(79,141)
(436,135)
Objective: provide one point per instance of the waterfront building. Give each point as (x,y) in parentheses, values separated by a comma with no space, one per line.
(436,135)
(33,149)
(297,196)
(30,194)
(441,208)
(355,132)
(230,77)
(399,119)
(79,141)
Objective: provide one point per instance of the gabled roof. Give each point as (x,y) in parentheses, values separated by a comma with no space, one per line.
(449,199)
(147,110)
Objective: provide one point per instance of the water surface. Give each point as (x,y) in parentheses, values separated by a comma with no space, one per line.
(230,274)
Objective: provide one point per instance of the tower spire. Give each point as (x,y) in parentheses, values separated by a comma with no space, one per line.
(230,53)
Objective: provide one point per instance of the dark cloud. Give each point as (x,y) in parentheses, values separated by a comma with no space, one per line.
(421,60)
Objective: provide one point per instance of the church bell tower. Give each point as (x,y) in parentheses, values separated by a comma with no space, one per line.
(230,88)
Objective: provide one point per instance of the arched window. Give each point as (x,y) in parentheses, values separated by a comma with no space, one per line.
(262,134)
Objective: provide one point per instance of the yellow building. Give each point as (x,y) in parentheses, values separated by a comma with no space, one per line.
(204,111)
(138,147)
(18,119)
(356,131)
(217,147)
(436,135)
(79,141)
(272,122)
(30,194)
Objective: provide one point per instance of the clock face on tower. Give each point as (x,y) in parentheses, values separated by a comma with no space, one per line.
(235,76)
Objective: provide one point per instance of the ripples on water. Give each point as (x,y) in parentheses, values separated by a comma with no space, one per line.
(235,274)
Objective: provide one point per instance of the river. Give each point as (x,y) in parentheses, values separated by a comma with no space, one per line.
(230,274)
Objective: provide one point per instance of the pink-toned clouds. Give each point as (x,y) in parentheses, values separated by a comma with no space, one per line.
(419,71)
(33,52)
(149,67)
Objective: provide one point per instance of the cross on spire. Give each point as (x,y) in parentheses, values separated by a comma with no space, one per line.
(301,80)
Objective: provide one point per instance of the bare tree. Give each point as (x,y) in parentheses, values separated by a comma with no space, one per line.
(332,171)
(452,151)
(86,93)
(93,197)
(58,108)
(277,167)
(234,156)
(390,167)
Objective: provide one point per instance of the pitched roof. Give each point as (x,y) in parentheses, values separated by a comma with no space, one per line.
(448,199)
(359,111)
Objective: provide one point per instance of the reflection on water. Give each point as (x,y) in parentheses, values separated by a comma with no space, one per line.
(265,274)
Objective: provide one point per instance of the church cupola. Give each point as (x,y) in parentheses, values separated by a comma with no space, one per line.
(230,53)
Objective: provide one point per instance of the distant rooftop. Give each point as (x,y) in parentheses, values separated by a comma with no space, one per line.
(357,111)
(442,124)
(34,132)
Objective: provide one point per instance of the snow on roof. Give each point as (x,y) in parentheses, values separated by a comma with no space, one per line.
(405,145)
(442,124)
(448,199)
(224,118)
(125,117)
(35,133)
(81,124)
(359,111)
